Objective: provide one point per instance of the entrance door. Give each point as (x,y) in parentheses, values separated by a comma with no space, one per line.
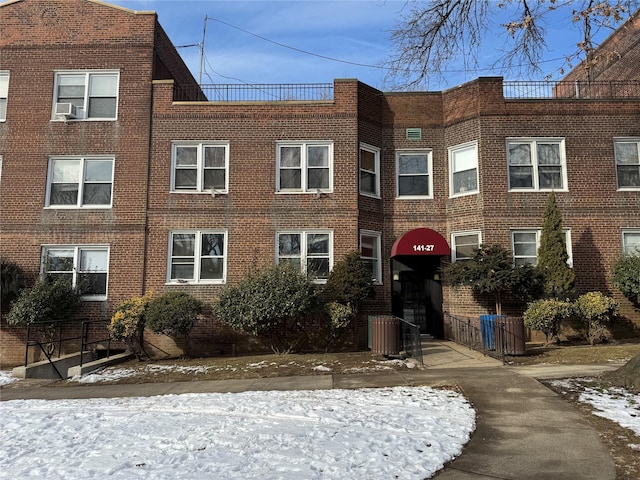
(416,292)
(421,301)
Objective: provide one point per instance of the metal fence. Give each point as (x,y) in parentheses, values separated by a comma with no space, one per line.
(578,89)
(254,92)
(411,340)
(497,336)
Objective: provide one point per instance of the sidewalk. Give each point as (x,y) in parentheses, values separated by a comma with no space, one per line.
(524,431)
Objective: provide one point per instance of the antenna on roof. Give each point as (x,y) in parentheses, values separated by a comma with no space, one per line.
(204,31)
(201,48)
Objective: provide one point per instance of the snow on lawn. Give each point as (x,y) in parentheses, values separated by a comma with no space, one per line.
(6,378)
(109,374)
(613,403)
(386,433)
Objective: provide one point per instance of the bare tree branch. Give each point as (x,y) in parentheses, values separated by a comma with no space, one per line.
(434,34)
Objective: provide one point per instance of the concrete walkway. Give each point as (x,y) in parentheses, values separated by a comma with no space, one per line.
(524,431)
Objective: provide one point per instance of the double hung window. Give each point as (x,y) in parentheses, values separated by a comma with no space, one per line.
(4,94)
(464,245)
(85,267)
(536,164)
(304,167)
(200,167)
(80,182)
(197,256)
(627,152)
(414,174)
(86,95)
(463,168)
(370,253)
(631,242)
(369,170)
(309,251)
(525,244)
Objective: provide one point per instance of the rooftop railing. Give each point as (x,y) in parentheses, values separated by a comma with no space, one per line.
(254,92)
(579,89)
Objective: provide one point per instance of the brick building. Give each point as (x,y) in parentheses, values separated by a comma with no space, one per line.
(616,59)
(119,169)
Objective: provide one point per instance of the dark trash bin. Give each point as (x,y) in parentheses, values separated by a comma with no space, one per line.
(386,335)
(510,335)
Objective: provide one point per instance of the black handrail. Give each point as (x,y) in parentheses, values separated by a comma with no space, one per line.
(411,341)
(48,347)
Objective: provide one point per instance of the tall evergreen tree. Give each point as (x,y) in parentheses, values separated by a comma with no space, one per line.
(491,271)
(552,254)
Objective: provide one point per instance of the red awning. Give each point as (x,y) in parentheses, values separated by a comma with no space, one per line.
(421,241)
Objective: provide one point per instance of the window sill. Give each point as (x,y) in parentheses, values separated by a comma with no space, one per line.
(94,298)
(370,195)
(537,190)
(195,283)
(75,207)
(80,120)
(303,192)
(199,192)
(464,194)
(414,197)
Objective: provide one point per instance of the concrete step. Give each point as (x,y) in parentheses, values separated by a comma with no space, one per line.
(45,369)
(96,364)
(67,365)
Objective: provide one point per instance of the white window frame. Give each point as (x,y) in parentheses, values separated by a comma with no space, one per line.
(82,112)
(197,257)
(376,259)
(83,160)
(304,256)
(626,249)
(469,147)
(375,172)
(75,272)
(304,167)
(4,94)
(200,166)
(538,234)
(429,173)
(454,243)
(631,140)
(535,166)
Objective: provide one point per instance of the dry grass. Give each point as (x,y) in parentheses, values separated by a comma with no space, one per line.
(255,366)
(580,354)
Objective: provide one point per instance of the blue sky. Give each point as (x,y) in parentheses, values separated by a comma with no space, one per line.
(352,31)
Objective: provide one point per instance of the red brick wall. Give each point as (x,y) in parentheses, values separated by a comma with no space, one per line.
(617,58)
(39,38)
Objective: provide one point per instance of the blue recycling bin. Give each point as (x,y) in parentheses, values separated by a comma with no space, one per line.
(488,330)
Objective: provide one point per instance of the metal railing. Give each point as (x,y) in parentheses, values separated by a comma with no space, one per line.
(411,340)
(50,339)
(100,341)
(578,89)
(496,336)
(254,92)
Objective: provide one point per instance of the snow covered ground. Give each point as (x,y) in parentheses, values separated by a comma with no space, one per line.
(6,378)
(615,404)
(388,433)
(402,432)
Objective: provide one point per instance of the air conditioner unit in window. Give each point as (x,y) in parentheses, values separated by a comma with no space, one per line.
(66,110)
